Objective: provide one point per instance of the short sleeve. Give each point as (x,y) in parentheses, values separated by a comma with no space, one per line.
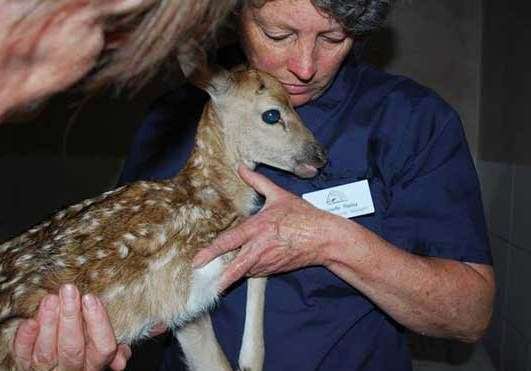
(434,203)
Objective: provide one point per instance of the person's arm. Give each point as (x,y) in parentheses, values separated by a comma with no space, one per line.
(431,296)
(437,297)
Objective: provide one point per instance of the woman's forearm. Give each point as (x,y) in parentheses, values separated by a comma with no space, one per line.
(432,296)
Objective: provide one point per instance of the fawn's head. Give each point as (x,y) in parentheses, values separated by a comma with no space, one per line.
(259,123)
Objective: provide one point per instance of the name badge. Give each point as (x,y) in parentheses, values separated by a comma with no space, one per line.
(347,200)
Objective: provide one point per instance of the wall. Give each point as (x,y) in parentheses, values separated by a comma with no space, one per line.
(505,171)
(437,43)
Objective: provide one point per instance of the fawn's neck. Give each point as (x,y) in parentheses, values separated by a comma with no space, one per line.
(211,170)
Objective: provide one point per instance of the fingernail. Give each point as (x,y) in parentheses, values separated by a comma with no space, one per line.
(68,296)
(89,302)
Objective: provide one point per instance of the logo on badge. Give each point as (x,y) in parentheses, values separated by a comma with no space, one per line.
(336,197)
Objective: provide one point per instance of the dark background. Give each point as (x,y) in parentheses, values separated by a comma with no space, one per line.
(475,53)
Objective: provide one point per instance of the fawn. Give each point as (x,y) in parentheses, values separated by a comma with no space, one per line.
(133,246)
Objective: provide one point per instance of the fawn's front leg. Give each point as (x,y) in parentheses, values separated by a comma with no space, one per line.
(200,346)
(252,350)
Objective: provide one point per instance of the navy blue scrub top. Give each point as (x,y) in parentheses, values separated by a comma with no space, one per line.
(411,147)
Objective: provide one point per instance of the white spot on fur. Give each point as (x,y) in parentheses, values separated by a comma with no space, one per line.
(100,254)
(81,260)
(163,260)
(11,283)
(47,247)
(5,311)
(123,250)
(19,290)
(76,207)
(23,259)
(93,275)
(129,237)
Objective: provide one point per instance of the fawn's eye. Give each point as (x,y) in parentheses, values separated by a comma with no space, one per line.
(271,116)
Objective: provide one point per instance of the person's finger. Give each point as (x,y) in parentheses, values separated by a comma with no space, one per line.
(238,268)
(260,183)
(71,338)
(117,7)
(225,242)
(25,338)
(120,359)
(100,339)
(45,349)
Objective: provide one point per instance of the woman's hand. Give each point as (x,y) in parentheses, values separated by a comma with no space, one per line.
(287,234)
(69,333)
(46,46)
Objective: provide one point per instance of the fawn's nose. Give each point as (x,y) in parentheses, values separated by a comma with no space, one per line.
(317,156)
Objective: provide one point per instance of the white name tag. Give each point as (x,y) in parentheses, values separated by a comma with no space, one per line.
(347,200)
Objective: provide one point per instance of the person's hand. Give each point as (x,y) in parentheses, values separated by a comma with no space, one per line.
(46,46)
(69,333)
(287,234)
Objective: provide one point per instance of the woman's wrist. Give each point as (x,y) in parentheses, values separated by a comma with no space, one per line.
(343,234)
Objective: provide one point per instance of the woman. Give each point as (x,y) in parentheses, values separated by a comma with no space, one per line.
(343,290)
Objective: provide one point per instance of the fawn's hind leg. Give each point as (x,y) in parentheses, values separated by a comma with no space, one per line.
(200,346)
(252,350)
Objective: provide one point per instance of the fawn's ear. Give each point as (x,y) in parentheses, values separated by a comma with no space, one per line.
(216,81)
(194,66)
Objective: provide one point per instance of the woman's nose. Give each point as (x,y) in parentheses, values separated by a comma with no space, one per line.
(302,62)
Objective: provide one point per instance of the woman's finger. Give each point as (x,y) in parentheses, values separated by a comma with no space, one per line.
(120,359)
(25,338)
(225,242)
(101,342)
(260,183)
(71,340)
(45,349)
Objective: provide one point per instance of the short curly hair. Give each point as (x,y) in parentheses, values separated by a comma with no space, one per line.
(358,17)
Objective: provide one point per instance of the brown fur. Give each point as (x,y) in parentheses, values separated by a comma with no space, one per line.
(133,246)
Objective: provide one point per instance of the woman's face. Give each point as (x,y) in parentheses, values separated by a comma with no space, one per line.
(295,42)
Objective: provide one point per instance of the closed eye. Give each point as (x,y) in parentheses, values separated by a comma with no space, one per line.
(277,37)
